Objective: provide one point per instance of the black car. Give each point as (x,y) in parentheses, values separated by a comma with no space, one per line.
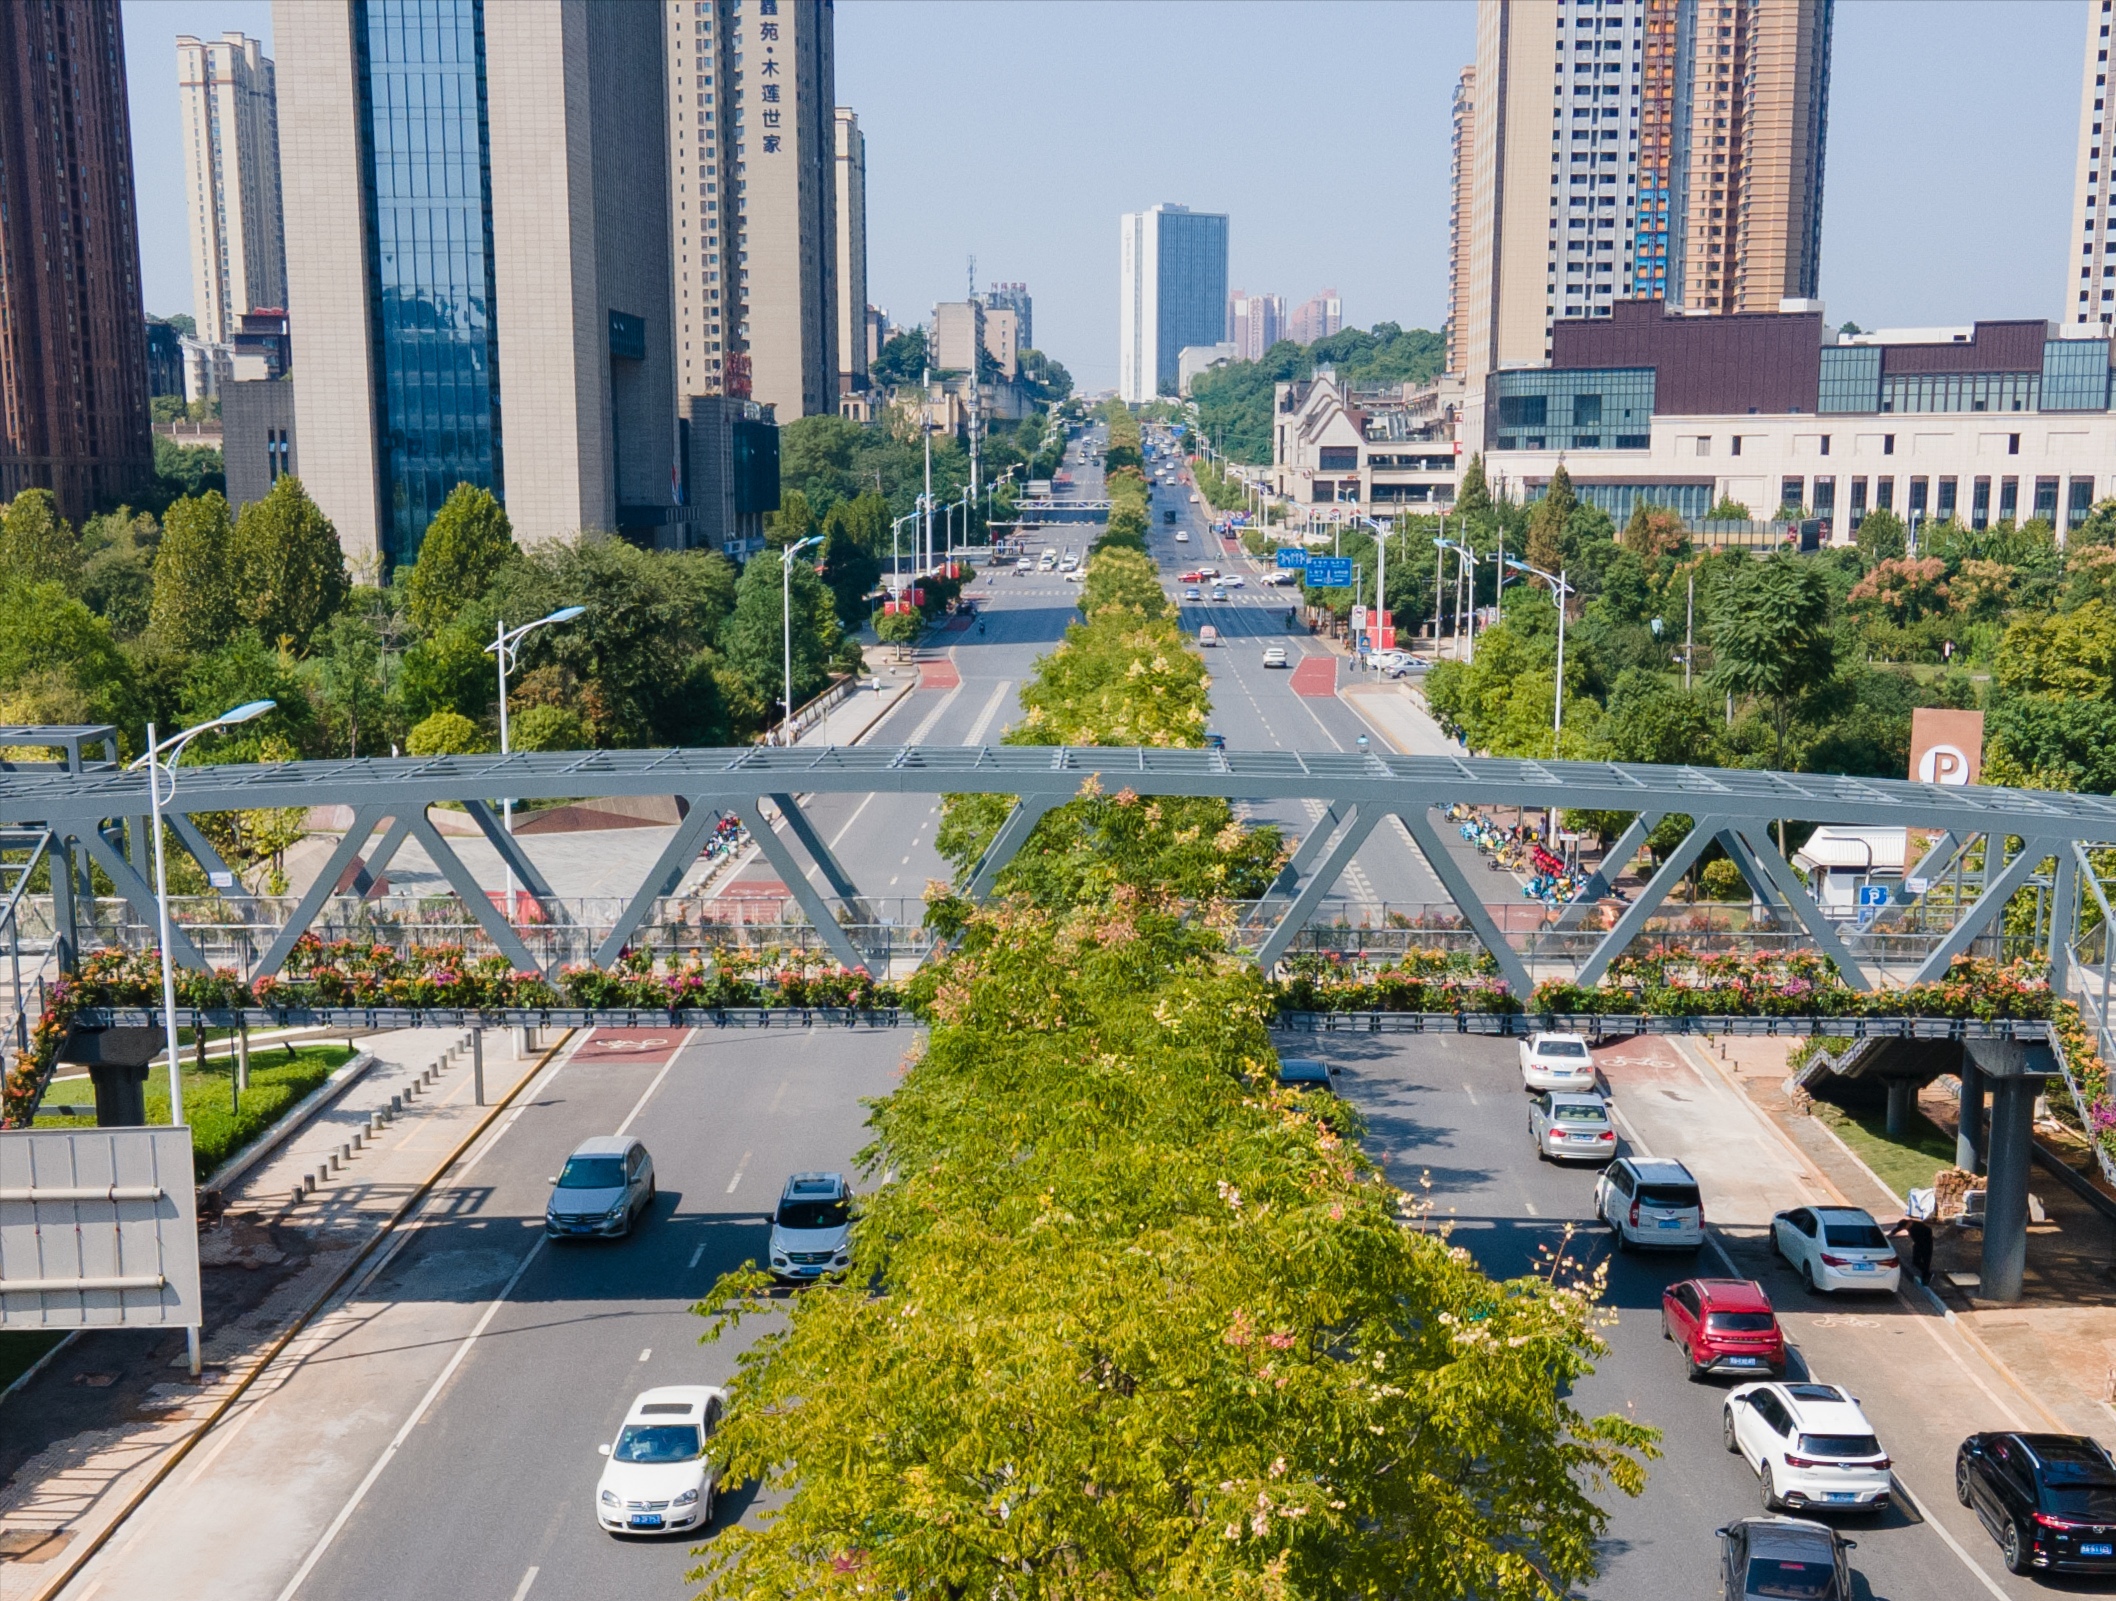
(2048,1499)
(1786,1559)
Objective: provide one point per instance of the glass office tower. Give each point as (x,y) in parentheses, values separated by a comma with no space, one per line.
(426,160)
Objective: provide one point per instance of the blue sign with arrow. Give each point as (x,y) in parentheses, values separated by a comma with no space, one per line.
(1291,560)
(1329,572)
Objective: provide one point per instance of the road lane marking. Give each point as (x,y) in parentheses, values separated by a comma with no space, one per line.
(643,1355)
(778,1096)
(528,1579)
(839,838)
(739,1168)
(1472,1094)
(983,724)
(695,1258)
(918,734)
(1532,1212)
(640,1105)
(1953,1544)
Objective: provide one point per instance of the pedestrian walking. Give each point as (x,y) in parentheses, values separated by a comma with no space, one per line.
(1920,1233)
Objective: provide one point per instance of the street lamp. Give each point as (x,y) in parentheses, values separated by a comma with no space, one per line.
(1559,590)
(506,645)
(157,765)
(786,624)
(895,564)
(1463,554)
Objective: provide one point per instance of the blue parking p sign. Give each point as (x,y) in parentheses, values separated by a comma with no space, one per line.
(1329,572)
(1291,561)
(1873,894)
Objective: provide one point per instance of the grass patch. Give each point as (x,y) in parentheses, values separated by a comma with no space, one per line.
(21,1349)
(278,1078)
(1903,1164)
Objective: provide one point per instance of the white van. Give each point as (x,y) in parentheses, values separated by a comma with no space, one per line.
(1208,635)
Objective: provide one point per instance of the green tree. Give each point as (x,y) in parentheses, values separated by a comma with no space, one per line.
(450,671)
(289,570)
(899,628)
(351,683)
(902,359)
(59,663)
(1771,636)
(117,571)
(466,545)
(37,545)
(1475,498)
(194,607)
(1880,537)
(1728,510)
(446,734)
(1550,523)
(1124,578)
(852,535)
(792,522)
(549,728)
(755,636)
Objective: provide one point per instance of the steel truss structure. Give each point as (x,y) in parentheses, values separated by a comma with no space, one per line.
(97,815)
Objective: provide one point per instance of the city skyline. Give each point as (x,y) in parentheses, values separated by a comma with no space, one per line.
(1886,171)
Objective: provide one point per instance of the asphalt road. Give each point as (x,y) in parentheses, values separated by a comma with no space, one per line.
(1452,1109)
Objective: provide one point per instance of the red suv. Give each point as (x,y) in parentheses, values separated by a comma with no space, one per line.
(1723,1326)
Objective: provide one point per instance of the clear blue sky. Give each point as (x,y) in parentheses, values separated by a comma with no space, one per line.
(1019,131)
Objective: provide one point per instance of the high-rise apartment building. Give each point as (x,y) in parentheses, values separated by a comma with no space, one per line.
(231,173)
(852,251)
(704,202)
(786,169)
(1611,149)
(1015,298)
(958,335)
(73,350)
(1317,317)
(1462,169)
(1254,323)
(2090,264)
(1002,338)
(1172,292)
(477,261)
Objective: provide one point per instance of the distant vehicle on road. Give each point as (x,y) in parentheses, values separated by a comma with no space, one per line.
(1191,593)
(1568,1126)
(1215,741)
(658,1477)
(1306,1073)
(1275,656)
(1191,578)
(1836,1248)
(1169,516)
(1208,635)
(605,1185)
(1219,592)
(1276,579)
(2048,1499)
(1783,1557)
(1232,581)
(1723,1326)
(811,1232)
(1182,534)
(1556,1062)
(1810,1445)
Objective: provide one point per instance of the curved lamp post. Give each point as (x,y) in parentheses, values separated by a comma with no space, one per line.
(506,645)
(1559,591)
(160,766)
(786,624)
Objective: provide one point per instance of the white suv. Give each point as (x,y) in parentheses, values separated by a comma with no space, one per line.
(1650,1201)
(811,1232)
(1810,1445)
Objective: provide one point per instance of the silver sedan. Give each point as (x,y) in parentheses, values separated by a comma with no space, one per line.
(1571,1127)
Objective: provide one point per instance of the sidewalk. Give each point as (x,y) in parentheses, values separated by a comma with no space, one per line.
(91,1430)
(2058,1343)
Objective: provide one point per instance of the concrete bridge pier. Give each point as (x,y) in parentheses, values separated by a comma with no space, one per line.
(2016,1071)
(1902,1100)
(1969,1126)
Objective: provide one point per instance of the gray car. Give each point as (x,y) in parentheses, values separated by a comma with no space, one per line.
(1785,1559)
(1570,1127)
(604,1187)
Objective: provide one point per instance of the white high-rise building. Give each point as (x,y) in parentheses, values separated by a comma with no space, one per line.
(703,203)
(1172,292)
(231,174)
(2090,263)
(852,252)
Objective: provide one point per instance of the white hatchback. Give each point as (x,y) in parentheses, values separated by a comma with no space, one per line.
(658,1478)
(1836,1248)
(1810,1445)
(1556,1062)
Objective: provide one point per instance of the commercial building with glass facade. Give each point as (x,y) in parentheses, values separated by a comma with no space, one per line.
(482,282)
(1172,293)
(1994,422)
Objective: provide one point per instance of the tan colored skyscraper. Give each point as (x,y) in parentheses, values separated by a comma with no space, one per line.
(785,169)
(851,167)
(231,169)
(1633,149)
(2090,251)
(700,58)
(1462,168)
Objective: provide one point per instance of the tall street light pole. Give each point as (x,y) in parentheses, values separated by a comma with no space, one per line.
(159,766)
(786,625)
(926,429)
(506,645)
(1559,592)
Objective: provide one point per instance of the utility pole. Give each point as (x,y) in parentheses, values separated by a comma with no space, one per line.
(1689,629)
(926,500)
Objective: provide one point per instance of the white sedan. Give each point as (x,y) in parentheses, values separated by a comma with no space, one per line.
(1556,1062)
(658,1478)
(1836,1248)
(1810,1445)
(1232,580)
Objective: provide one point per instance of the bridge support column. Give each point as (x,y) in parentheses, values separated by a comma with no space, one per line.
(1902,1098)
(2006,1190)
(1969,1123)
